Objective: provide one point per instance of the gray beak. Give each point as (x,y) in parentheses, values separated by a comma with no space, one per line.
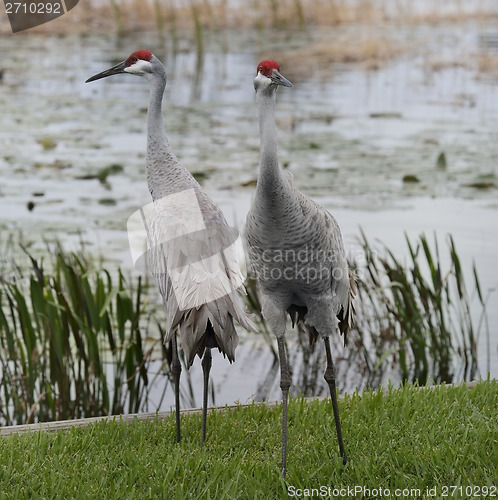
(278,79)
(115,70)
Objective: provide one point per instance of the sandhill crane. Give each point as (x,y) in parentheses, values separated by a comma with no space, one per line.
(193,252)
(296,251)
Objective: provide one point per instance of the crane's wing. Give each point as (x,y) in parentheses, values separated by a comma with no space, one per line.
(343,279)
(198,262)
(326,237)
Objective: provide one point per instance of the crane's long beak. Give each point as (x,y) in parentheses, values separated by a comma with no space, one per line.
(115,70)
(278,79)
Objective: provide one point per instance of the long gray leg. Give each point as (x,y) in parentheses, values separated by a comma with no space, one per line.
(207,361)
(176,368)
(285,383)
(330,379)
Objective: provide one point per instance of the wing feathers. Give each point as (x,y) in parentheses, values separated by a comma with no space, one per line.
(346,317)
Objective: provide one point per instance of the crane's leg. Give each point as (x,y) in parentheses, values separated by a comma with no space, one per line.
(330,379)
(285,383)
(207,361)
(176,368)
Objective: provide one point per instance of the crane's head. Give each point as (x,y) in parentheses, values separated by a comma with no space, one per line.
(140,63)
(268,76)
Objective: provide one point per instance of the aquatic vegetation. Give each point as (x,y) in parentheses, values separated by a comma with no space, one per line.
(441,161)
(47,143)
(71,343)
(416,318)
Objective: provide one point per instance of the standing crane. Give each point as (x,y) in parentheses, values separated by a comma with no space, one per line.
(296,250)
(193,252)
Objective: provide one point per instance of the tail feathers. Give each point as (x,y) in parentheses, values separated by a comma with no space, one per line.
(297,315)
(209,325)
(195,340)
(346,317)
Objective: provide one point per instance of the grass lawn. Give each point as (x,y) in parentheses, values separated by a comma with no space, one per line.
(406,438)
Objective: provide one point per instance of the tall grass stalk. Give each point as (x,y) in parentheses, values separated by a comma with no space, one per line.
(117,17)
(159,20)
(300,14)
(171,16)
(198,31)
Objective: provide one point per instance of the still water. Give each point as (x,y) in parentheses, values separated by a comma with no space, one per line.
(348,134)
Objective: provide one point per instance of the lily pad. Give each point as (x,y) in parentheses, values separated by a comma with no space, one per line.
(47,143)
(481,185)
(410,178)
(250,182)
(107,201)
(386,114)
(200,176)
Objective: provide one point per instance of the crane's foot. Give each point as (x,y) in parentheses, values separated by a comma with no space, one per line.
(329,377)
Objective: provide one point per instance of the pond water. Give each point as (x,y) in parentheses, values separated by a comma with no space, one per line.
(349,136)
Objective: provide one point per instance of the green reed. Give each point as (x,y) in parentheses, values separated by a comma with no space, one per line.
(417,316)
(70,343)
(116,10)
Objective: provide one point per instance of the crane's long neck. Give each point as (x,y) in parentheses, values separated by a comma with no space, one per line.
(270,173)
(165,174)
(272,181)
(156,133)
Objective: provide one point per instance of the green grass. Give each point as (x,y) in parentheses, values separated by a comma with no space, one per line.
(396,438)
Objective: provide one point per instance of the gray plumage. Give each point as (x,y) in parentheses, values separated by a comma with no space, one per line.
(295,248)
(193,254)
